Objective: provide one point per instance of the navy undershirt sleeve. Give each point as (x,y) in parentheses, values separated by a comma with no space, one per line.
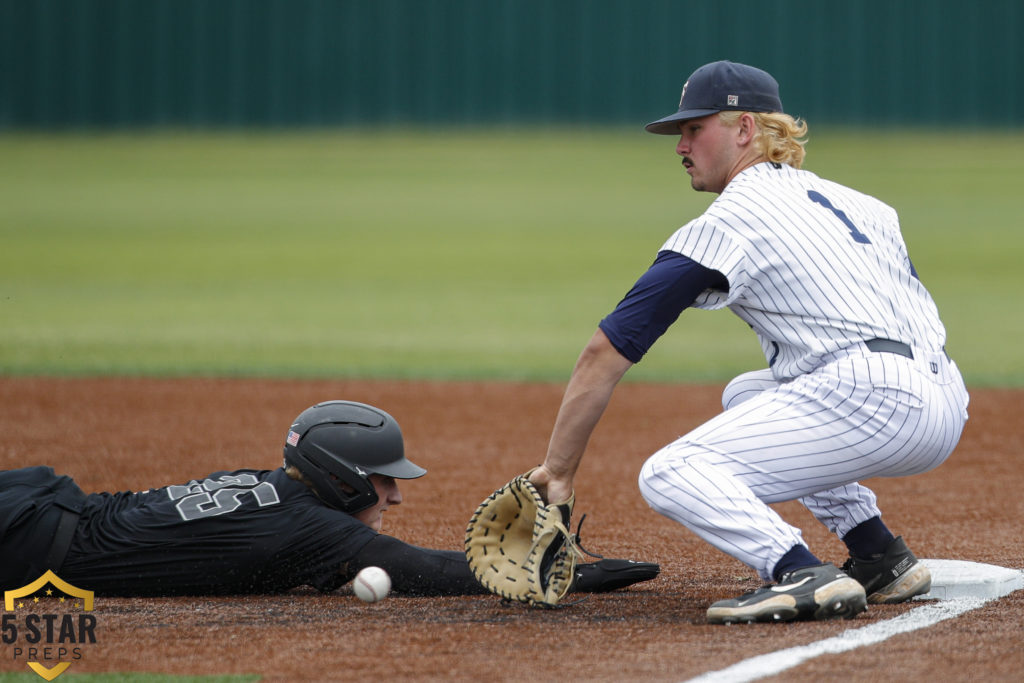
(670,285)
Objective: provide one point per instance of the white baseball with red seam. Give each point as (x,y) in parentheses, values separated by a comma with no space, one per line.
(371,584)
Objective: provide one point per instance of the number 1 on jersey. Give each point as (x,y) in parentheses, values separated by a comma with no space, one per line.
(857,235)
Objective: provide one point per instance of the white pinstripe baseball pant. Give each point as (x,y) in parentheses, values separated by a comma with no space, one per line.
(859,415)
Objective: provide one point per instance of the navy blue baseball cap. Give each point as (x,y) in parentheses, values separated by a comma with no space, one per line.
(721,86)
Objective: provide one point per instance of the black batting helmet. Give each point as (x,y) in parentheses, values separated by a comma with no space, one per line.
(337,445)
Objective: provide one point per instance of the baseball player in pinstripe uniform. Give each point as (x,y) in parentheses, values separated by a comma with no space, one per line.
(858,383)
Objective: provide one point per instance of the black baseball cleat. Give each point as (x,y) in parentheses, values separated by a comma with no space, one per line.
(820,592)
(890,577)
(609,575)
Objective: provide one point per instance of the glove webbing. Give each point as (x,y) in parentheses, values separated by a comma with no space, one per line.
(552,555)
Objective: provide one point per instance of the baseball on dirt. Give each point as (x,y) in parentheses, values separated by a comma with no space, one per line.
(372,584)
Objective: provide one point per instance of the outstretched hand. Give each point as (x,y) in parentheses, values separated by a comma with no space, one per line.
(552,489)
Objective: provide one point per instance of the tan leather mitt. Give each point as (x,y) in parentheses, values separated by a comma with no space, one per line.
(520,548)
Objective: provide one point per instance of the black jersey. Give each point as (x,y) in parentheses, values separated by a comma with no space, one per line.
(247,531)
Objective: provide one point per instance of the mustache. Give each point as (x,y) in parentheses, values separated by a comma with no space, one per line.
(686,161)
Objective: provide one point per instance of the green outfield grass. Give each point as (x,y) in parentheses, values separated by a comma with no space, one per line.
(436,254)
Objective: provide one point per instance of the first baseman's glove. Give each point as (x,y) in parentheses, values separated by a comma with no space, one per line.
(520,548)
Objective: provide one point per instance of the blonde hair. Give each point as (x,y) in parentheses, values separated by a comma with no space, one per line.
(293,472)
(780,137)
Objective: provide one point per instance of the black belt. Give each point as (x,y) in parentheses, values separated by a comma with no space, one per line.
(890,346)
(70,502)
(61,540)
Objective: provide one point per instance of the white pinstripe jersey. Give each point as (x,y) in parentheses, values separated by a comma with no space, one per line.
(813,267)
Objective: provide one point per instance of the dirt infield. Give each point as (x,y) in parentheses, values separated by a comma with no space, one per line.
(137,433)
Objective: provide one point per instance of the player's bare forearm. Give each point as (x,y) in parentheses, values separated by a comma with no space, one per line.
(597,372)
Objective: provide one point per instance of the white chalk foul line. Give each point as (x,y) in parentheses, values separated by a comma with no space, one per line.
(775,662)
(917,618)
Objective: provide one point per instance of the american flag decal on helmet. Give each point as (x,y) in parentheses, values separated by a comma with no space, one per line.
(293,438)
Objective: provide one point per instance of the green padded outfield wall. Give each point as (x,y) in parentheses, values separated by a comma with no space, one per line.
(213,63)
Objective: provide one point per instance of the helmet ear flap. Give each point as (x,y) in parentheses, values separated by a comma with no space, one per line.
(339,487)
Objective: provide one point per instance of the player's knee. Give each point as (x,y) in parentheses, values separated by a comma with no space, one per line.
(746,386)
(674,478)
(645,484)
(654,482)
